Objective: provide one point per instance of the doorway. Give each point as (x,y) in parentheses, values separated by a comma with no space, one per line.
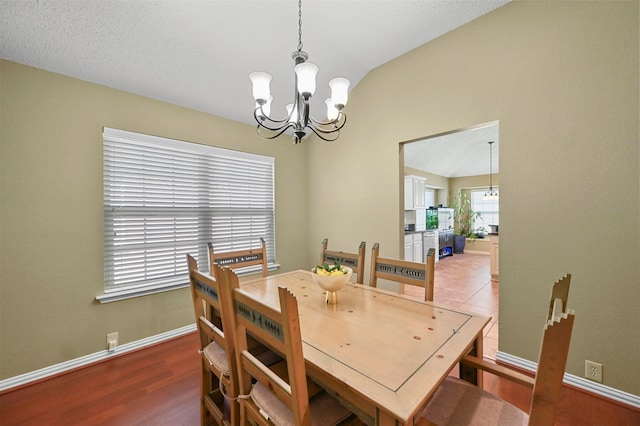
(458,161)
(451,162)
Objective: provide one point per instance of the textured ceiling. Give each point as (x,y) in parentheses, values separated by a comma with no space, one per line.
(198,54)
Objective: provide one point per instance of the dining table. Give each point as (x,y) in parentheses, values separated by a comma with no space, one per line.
(382,354)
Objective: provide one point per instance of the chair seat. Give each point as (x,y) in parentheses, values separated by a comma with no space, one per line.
(217,357)
(325,410)
(457,402)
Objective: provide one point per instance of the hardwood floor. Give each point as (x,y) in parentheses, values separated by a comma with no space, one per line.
(159,385)
(464,281)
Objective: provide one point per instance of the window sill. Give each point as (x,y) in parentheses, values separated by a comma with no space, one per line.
(124,294)
(116,295)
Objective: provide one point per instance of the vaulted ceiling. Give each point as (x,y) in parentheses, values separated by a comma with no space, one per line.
(199,53)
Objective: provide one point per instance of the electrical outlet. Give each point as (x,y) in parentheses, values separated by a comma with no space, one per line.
(593,371)
(112,341)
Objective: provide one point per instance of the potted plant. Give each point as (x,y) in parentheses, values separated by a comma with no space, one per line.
(464,218)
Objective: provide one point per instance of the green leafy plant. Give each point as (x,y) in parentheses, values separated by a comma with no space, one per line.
(465,216)
(325,269)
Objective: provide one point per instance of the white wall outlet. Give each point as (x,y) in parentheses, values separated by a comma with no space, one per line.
(112,341)
(593,371)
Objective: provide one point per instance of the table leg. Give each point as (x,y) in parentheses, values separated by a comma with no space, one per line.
(385,419)
(471,374)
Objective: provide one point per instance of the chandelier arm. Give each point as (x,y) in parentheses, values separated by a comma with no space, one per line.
(320,133)
(340,117)
(260,119)
(277,132)
(338,123)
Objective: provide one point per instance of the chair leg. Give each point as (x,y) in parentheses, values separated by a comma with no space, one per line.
(205,384)
(210,404)
(234,412)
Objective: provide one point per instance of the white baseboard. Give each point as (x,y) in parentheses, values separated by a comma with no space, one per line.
(576,381)
(474,252)
(72,364)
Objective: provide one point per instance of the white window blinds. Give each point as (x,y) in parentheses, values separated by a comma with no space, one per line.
(165,198)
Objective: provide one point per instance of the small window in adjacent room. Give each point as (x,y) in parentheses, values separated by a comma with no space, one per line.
(165,198)
(490,209)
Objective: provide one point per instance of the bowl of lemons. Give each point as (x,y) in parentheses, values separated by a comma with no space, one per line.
(331,278)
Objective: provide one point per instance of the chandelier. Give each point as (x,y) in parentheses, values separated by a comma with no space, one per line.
(490,194)
(298,117)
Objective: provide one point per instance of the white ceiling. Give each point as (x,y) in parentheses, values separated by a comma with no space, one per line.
(456,154)
(199,53)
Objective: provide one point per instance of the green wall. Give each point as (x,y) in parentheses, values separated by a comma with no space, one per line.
(51,244)
(562,79)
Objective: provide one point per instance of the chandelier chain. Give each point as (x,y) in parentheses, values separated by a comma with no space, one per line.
(491,194)
(491,165)
(299,25)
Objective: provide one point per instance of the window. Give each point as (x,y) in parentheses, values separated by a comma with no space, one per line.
(490,209)
(165,198)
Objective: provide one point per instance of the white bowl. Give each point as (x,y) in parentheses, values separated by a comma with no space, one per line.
(332,283)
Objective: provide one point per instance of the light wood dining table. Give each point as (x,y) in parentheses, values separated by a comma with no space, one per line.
(381,353)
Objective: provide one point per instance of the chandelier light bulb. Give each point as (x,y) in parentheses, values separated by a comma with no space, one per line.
(291,113)
(490,195)
(261,82)
(266,108)
(306,75)
(339,91)
(332,111)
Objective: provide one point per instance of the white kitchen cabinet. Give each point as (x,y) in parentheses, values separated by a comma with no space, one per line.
(414,192)
(408,247)
(417,248)
(413,247)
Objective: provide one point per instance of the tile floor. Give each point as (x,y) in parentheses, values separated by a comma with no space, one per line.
(463,281)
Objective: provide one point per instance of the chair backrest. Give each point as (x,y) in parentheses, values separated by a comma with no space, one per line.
(560,291)
(280,330)
(239,258)
(553,356)
(403,271)
(431,272)
(206,305)
(210,323)
(354,261)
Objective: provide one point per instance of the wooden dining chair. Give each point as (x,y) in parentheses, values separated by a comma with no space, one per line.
(219,385)
(354,261)
(457,402)
(403,271)
(269,395)
(240,258)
